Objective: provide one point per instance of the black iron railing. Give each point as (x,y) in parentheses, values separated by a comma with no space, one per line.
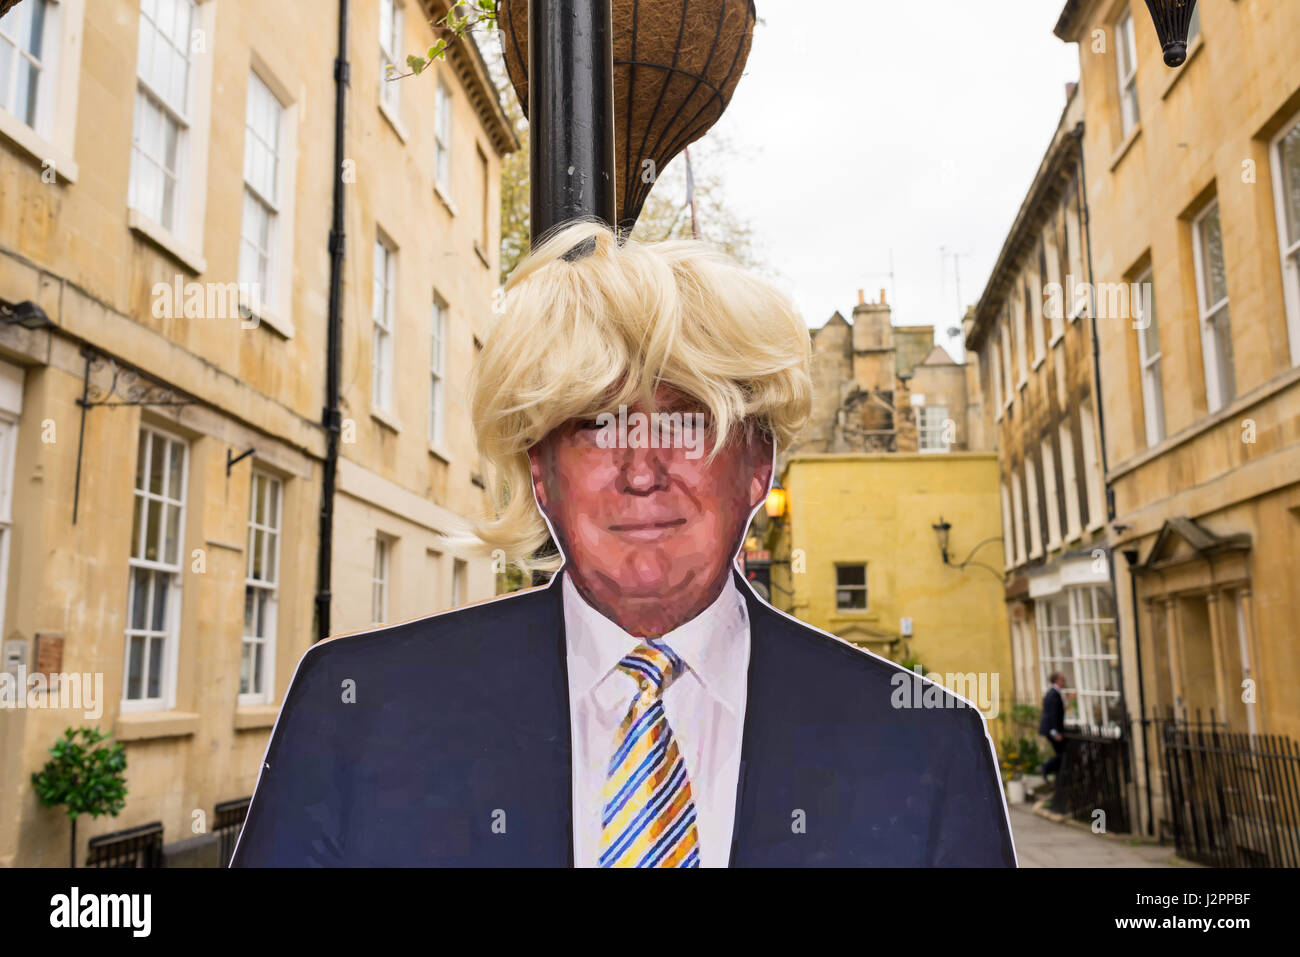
(1094,776)
(229,821)
(1233,799)
(135,847)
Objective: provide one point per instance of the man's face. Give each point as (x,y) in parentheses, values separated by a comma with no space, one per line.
(649,533)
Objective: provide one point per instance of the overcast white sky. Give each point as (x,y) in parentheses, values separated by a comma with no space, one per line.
(870,126)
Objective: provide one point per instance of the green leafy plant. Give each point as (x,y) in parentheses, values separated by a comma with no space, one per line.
(454,27)
(86,775)
(1018,757)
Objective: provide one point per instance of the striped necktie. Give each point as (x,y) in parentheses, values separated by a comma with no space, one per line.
(649,817)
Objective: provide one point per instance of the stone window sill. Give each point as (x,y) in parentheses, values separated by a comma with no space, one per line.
(255,716)
(1127,145)
(146,725)
(38,147)
(168,242)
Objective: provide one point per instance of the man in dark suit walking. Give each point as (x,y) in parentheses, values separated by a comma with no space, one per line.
(1052,723)
(646,708)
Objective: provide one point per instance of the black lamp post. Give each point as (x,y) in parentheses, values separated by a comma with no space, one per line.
(571,113)
(623,86)
(1173,19)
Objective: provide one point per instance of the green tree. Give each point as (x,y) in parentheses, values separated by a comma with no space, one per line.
(86,775)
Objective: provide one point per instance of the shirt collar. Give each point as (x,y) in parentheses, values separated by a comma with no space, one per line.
(714,644)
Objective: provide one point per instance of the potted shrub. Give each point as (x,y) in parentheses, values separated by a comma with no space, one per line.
(85,775)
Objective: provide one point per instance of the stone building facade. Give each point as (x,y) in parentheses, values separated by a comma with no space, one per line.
(165,216)
(1194,196)
(1038,399)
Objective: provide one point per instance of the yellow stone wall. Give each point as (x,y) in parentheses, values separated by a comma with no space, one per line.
(880,509)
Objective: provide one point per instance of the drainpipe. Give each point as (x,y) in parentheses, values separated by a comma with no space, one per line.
(1131,556)
(331,417)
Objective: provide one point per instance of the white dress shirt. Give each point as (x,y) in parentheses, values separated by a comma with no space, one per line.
(705,707)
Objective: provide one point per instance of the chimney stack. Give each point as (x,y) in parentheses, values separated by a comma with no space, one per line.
(862,299)
(882,298)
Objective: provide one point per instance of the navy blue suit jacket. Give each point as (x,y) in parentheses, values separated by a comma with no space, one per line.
(446,741)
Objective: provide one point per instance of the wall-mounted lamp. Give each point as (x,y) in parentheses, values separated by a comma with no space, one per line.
(26,314)
(778,502)
(942,531)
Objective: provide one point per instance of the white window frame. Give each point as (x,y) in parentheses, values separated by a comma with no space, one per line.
(170,633)
(275,307)
(1008,541)
(1034,302)
(841,590)
(1078,651)
(1287,244)
(8,447)
(51,142)
(1052,257)
(1091,466)
(442,137)
(1153,397)
(1215,318)
(266,547)
(1021,335)
(1018,516)
(381,576)
(437,367)
(1194,26)
(179,115)
(1050,497)
(1031,494)
(1074,254)
(931,437)
(1126,69)
(995,371)
(1070,484)
(383,318)
(392,22)
(44,61)
(1006,365)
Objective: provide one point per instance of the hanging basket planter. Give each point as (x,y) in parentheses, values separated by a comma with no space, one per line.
(676,66)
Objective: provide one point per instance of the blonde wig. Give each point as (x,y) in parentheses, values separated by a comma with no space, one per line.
(584,335)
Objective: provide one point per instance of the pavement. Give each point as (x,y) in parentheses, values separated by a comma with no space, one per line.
(1043,842)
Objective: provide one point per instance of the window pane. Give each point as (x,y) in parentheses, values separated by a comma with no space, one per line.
(246,669)
(155,667)
(158,462)
(161,588)
(135,667)
(139,599)
(1212,266)
(171,551)
(177,463)
(851,575)
(153,528)
(1289,149)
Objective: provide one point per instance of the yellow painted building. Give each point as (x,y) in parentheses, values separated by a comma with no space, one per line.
(174,162)
(856,554)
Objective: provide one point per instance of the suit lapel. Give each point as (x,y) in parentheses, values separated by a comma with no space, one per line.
(757,690)
(560,659)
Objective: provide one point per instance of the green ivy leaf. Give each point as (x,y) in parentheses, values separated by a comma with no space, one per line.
(416,63)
